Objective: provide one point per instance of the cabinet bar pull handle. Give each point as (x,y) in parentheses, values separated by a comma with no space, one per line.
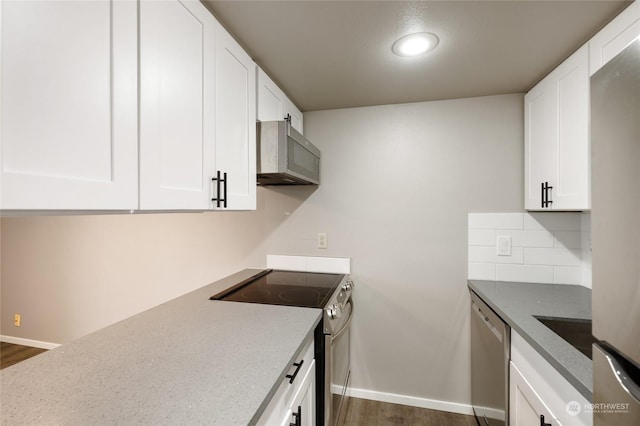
(297,417)
(224,180)
(542,194)
(545,194)
(219,197)
(548,190)
(292,377)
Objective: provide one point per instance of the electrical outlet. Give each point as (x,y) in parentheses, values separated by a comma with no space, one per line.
(503,245)
(16,320)
(322,240)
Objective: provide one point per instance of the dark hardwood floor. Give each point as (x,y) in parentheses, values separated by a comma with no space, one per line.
(11,354)
(363,412)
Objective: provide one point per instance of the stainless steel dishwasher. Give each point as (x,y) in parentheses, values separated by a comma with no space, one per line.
(490,354)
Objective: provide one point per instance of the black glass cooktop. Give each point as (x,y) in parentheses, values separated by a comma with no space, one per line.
(273,287)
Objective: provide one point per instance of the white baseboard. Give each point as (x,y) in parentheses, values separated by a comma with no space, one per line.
(432,404)
(28,342)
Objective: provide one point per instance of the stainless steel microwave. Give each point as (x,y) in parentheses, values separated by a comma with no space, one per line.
(285,157)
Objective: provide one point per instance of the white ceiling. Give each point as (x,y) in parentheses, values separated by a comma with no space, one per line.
(337,54)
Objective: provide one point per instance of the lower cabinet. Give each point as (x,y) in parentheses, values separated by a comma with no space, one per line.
(538,394)
(303,406)
(294,403)
(527,408)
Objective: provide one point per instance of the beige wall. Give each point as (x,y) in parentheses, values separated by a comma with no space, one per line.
(397,184)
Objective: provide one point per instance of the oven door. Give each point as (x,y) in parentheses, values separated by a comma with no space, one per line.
(338,372)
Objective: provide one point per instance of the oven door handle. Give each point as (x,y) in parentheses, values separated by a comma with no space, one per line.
(346,324)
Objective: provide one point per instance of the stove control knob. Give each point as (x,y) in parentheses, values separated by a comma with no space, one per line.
(348,286)
(334,311)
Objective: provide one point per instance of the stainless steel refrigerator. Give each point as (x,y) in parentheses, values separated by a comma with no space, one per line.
(615,229)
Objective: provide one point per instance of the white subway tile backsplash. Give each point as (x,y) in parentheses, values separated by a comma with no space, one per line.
(585,237)
(567,275)
(496,220)
(552,221)
(482,237)
(585,222)
(482,271)
(568,239)
(552,256)
(288,263)
(330,265)
(525,273)
(549,247)
(524,238)
(587,280)
(483,254)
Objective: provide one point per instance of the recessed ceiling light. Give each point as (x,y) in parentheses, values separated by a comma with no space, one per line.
(415,44)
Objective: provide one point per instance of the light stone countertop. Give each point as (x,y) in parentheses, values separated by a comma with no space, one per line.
(516,303)
(190,361)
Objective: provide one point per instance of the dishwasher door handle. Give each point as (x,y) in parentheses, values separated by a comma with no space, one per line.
(485,319)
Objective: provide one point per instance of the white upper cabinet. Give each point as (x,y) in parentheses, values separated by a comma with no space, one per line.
(235,121)
(294,115)
(69,105)
(177,101)
(557,156)
(75,135)
(273,104)
(613,38)
(270,98)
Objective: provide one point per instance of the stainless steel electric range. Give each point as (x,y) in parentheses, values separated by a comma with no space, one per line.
(332,294)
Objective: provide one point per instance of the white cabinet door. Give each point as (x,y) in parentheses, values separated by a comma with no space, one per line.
(295,115)
(615,37)
(557,138)
(303,405)
(177,101)
(69,105)
(235,120)
(273,104)
(525,406)
(541,160)
(271,100)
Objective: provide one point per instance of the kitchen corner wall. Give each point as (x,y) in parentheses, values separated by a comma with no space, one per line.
(397,184)
(547,247)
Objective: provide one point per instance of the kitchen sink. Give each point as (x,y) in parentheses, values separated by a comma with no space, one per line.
(577,332)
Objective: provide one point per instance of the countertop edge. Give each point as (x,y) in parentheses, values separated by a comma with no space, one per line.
(567,374)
